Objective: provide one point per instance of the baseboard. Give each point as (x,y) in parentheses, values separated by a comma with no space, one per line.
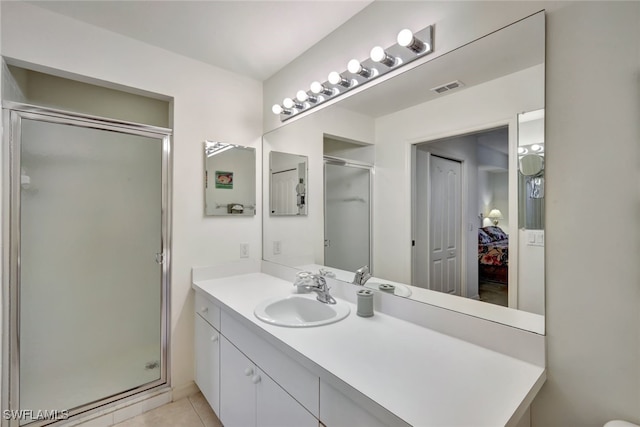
(184,390)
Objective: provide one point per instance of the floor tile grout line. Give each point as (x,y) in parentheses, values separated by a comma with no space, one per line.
(196,411)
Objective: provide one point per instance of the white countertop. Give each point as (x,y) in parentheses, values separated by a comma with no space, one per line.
(424,377)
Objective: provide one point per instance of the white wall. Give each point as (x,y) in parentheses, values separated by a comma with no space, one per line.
(593,300)
(33,36)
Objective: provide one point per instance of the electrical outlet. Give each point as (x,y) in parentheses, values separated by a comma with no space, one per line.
(244,250)
(277,247)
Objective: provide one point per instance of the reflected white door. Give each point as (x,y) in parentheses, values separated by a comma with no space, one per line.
(437,223)
(445,224)
(283,192)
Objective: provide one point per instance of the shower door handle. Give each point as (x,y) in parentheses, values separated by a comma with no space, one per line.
(160,258)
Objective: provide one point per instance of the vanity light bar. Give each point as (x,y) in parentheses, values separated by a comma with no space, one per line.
(409,47)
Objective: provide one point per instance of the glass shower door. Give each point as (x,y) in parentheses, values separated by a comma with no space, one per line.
(90,270)
(347,216)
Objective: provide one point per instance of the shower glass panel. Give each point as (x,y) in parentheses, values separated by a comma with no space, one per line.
(90,301)
(347,213)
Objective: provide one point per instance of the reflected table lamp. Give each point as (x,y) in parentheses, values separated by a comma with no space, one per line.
(495,215)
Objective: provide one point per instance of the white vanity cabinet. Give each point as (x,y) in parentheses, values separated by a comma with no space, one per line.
(207,351)
(247,381)
(332,375)
(251,398)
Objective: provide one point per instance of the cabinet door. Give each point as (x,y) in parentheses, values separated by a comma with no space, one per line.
(276,408)
(237,391)
(207,358)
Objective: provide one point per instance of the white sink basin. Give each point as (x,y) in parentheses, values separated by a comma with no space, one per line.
(396,289)
(299,311)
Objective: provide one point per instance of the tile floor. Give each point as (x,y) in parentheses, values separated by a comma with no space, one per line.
(192,411)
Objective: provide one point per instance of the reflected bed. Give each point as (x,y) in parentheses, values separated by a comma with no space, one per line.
(493,255)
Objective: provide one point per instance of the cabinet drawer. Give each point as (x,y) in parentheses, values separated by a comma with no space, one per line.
(208,310)
(301,384)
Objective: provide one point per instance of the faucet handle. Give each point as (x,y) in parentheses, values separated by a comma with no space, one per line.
(363,270)
(303,278)
(327,273)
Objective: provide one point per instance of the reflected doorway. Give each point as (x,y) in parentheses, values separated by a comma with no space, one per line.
(457,183)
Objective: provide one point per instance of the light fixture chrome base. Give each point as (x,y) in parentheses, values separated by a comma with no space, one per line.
(403,55)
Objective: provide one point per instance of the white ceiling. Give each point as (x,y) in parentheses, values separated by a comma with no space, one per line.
(251,38)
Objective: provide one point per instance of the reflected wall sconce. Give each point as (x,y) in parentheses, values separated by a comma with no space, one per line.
(495,215)
(409,47)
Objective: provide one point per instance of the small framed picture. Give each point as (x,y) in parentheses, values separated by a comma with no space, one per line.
(224,179)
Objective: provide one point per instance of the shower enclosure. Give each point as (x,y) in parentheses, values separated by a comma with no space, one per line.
(86,262)
(347,215)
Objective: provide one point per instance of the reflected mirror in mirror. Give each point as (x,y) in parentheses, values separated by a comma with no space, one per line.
(531,205)
(230,179)
(288,184)
(400,119)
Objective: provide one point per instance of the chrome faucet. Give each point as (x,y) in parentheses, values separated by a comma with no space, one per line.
(309,282)
(362,275)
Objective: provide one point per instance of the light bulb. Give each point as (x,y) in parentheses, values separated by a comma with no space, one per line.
(355,67)
(336,79)
(522,150)
(408,40)
(536,147)
(317,88)
(287,103)
(302,96)
(277,109)
(379,55)
(405,37)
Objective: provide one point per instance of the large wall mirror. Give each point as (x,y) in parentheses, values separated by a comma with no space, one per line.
(229,179)
(446,187)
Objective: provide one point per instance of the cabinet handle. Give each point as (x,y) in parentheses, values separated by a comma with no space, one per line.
(204,310)
(256,379)
(214,338)
(248,372)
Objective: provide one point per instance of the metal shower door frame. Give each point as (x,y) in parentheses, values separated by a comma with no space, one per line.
(12,116)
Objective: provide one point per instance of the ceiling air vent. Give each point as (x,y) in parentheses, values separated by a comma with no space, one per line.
(447,87)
